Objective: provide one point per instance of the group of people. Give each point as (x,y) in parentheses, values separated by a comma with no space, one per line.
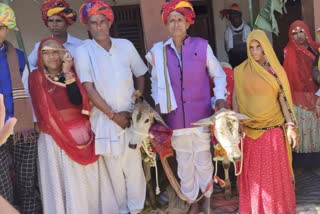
(81,91)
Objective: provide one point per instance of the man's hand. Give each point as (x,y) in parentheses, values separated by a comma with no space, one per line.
(5,129)
(293,136)
(220,103)
(122,119)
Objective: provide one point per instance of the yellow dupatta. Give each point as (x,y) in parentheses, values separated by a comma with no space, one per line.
(257,90)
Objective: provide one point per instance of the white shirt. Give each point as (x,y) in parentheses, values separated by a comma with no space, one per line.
(115,67)
(214,69)
(111,72)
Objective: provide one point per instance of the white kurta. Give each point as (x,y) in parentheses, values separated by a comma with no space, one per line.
(70,188)
(112,74)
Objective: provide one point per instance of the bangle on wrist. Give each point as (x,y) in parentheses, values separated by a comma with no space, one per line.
(70,81)
(290,124)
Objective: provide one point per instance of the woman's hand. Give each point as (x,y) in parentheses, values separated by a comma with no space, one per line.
(242,134)
(122,119)
(67,65)
(293,137)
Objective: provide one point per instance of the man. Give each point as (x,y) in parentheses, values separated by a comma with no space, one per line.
(182,68)
(236,35)
(57,16)
(106,67)
(21,147)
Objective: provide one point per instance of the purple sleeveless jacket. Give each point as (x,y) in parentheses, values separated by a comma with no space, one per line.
(190,84)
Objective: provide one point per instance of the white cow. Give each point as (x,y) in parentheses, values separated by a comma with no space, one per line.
(226,125)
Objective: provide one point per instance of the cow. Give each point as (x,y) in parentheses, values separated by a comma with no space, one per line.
(225,127)
(226,130)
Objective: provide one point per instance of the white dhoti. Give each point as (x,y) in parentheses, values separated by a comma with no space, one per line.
(70,188)
(195,167)
(128,180)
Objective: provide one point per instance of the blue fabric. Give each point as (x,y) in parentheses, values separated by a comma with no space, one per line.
(5,79)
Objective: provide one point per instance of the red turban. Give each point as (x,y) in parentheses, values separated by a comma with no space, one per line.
(95,7)
(181,6)
(60,8)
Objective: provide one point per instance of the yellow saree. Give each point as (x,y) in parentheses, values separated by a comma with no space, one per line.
(257,90)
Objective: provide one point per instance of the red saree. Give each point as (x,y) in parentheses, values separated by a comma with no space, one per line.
(298,64)
(68,124)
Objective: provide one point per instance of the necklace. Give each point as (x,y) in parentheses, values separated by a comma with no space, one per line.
(55,77)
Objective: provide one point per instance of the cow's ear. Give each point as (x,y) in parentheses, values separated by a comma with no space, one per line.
(158,118)
(242,118)
(205,122)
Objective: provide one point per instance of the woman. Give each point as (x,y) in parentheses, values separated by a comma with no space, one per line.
(72,178)
(262,92)
(300,53)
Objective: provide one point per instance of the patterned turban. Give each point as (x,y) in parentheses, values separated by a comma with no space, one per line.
(181,6)
(95,7)
(60,8)
(7,16)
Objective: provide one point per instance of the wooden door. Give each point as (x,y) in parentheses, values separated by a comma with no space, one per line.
(203,26)
(127,24)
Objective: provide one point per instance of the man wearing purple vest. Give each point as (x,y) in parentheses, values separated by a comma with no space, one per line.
(181,70)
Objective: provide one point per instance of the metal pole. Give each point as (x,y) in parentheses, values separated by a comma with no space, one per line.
(251,14)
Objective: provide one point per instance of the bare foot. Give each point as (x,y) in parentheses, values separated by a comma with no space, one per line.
(194,208)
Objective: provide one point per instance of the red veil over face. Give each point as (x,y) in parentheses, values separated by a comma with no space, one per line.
(298,64)
(68,135)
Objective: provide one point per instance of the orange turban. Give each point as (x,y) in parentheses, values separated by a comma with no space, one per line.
(181,6)
(234,8)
